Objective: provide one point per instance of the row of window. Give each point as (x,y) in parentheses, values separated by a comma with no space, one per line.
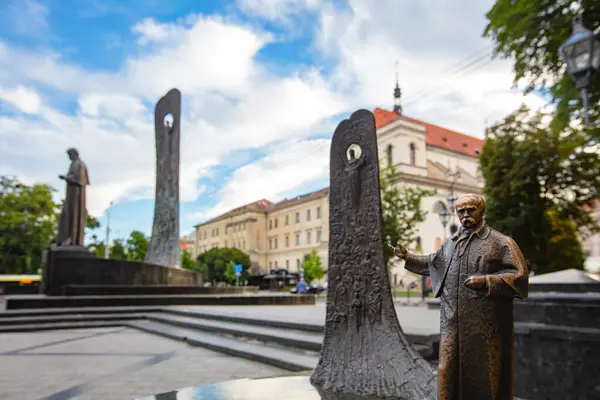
(236,228)
(273,264)
(236,244)
(273,242)
(413,154)
(274,222)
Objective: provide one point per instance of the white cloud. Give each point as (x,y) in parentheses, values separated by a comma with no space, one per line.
(229,100)
(425,38)
(277,10)
(288,166)
(29,17)
(24,99)
(232,101)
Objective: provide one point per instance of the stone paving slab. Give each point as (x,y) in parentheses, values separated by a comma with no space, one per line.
(110,363)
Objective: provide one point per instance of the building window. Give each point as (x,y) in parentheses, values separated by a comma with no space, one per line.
(297,239)
(318,212)
(226,243)
(227,228)
(388,154)
(287,241)
(275,222)
(298,263)
(270,244)
(287,264)
(270,224)
(287,220)
(217,231)
(297,217)
(204,234)
(270,264)
(244,245)
(275,242)
(308,214)
(308,237)
(413,154)
(318,236)
(275,263)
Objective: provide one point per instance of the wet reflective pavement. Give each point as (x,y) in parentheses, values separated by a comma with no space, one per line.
(289,388)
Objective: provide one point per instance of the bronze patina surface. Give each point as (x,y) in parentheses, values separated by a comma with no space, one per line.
(476,273)
(365,353)
(73,218)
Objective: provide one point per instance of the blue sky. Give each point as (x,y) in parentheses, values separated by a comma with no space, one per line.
(263,82)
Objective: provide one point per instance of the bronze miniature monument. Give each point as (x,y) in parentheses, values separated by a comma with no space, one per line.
(73,218)
(477,273)
(164,244)
(365,353)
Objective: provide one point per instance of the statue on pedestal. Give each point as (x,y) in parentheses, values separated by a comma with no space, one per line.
(73,218)
(476,273)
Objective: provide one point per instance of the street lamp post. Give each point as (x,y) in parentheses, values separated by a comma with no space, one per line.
(444,218)
(581,54)
(106,245)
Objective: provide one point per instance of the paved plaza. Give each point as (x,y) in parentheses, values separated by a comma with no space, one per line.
(123,363)
(111,363)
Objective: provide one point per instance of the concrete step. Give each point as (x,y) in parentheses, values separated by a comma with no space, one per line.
(8,314)
(60,326)
(256,351)
(426,345)
(41,301)
(54,319)
(287,337)
(137,290)
(214,315)
(291,338)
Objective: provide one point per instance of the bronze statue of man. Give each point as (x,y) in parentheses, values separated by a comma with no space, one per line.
(71,227)
(476,273)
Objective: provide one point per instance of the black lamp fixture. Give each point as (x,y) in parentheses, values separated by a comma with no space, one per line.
(444,217)
(581,53)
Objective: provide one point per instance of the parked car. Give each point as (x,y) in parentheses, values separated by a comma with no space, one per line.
(313,288)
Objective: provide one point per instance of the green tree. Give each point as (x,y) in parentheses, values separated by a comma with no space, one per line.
(187,262)
(137,246)
(312,266)
(402,210)
(98,248)
(530,33)
(28,218)
(229,275)
(537,184)
(213,263)
(117,251)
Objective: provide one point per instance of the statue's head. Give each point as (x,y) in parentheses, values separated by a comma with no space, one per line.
(470,209)
(73,153)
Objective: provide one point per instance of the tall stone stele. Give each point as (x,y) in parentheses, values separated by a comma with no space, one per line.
(365,354)
(164,244)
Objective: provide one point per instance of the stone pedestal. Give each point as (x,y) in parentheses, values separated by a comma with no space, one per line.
(557,346)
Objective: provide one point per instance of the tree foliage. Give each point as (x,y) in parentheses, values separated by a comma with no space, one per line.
(187,261)
(530,33)
(312,266)
(537,185)
(28,218)
(137,246)
(213,263)
(402,211)
(117,251)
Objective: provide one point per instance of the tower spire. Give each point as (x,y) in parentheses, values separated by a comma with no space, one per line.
(397,94)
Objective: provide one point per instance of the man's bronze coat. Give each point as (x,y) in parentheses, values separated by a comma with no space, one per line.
(476,348)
